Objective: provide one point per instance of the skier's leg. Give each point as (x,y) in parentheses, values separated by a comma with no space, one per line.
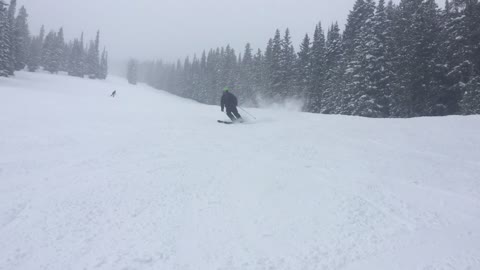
(237,115)
(230,115)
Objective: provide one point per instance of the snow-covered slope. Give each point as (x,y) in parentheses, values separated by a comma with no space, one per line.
(148,180)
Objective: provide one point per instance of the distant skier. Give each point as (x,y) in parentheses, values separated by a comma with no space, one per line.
(114,93)
(230,102)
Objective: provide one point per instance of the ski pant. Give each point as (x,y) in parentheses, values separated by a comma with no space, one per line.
(233,114)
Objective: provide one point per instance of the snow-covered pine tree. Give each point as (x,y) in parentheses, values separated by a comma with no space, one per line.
(395,87)
(460,42)
(75,65)
(383,72)
(104,65)
(53,51)
(356,19)
(186,81)
(268,69)
(132,71)
(35,51)
(49,60)
(366,97)
(10,29)
(230,68)
(319,70)
(93,58)
(470,103)
(416,63)
(246,75)
(83,67)
(195,84)
(332,96)
(202,76)
(67,51)
(22,39)
(287,67)
(177,79)
(90,61)
(59,50)
(42,34)
(275,68)
(356,41)
(4,42)
(96,63)
(474,25)
(303,74)
(259,76)
(210,77)
(217,77)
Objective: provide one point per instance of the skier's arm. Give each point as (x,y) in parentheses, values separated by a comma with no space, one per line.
(222,103)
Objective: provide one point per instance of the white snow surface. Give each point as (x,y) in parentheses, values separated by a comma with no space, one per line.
(148,180)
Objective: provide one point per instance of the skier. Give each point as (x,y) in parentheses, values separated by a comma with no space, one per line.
(230,102)
(114,93)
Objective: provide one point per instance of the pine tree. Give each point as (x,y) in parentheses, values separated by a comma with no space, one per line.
(365,97)
(93,58)
(356,19)
(76,63)
(275,68)
(96,64)
(33,60)
(22,39)
(332,96)
(230,68)
(195,85)
(4,41)
(10,40)
(470,103)
(259,76)
(210,80)
(35,51)
(53,51)
(287,67)
(384,51)
(461,22)
(465,71)
(132,72)
(59,50)
(203,78)
(246,75)
(104,65)
(416,63)
(268,69)
(48,59)
(319,71)
(303,80)
(393,58)
(357,46)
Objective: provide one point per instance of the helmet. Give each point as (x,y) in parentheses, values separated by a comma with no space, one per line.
(226,89)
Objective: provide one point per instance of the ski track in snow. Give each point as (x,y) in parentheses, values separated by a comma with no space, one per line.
(148,180)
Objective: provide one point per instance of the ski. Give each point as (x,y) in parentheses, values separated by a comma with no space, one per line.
(225,122)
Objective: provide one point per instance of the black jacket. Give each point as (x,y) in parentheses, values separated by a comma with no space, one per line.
(229,101)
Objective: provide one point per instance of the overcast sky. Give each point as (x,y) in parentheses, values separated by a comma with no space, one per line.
(169,29)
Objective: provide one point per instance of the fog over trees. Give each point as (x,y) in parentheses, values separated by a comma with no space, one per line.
(392,60)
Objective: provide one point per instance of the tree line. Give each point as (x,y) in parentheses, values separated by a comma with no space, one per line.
(20,50)
(392,60)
